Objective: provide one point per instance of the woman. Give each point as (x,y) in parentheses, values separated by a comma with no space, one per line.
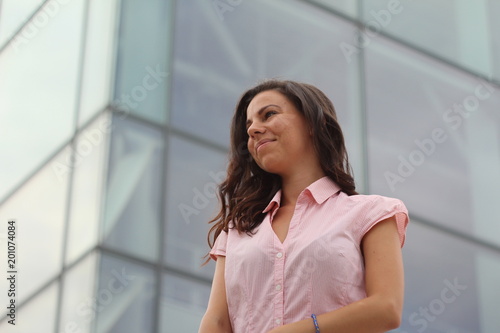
(296,248)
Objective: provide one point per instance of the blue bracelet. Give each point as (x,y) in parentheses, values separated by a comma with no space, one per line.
(313,316)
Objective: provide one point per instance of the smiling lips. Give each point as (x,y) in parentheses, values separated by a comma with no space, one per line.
(262,143)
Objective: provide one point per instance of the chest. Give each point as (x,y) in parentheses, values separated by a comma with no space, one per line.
(321,253)
(281,222)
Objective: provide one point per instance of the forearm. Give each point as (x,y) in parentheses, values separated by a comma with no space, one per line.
(371,315)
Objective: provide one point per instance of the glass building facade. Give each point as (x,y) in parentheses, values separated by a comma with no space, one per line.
(114,118)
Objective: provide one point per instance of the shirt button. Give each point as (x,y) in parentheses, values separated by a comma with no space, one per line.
(279,255)
(278,321)
(278,287)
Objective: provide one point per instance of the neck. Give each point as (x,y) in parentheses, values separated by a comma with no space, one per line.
(291,186)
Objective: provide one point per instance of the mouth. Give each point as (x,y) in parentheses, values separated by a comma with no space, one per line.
(262,144)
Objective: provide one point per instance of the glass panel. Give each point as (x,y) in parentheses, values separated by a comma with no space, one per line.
(460,31)
(347,7)
(434,139)
(37,94)
(14,13)
(142,77)
(98,58)
(449,287)
(488,270)
(193,174)
(216,60)
(126,296)
(39,210)
(133,203)
(85,210)
(38,315)
(183,304)
(79,306)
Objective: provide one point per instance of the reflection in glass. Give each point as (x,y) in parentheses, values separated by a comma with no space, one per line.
(88,173)
(183,304)
(460,31)
(78,307)
(445,161)
(216,59)
(39,209)
(488,271)
(193,174)
(132,214)
(448,287)
(38,94)
(142,71)
(125,297)
(14,13)
(39,315)
(97,59)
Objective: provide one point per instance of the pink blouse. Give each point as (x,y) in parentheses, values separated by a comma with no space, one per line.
(317,269)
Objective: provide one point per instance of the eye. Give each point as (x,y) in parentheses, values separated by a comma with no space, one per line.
(269,114)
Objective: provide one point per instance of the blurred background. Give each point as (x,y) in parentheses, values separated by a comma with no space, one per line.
(114,119)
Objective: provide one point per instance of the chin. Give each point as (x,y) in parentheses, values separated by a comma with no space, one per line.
(271,168)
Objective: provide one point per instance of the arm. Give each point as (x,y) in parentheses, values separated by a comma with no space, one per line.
(216,318)
(381,310)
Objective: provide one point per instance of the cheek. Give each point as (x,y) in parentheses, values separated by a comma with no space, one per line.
(250,147)
(298,143)
(253,154)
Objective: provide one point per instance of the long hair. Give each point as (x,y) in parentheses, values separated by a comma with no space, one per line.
(247,189)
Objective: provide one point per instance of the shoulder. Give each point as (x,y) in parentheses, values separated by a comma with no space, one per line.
(370,201)
(369,210)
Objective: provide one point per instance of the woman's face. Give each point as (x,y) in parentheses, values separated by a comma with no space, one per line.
(279,138)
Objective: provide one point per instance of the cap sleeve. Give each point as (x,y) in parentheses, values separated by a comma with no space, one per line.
(219,248)
(382,208)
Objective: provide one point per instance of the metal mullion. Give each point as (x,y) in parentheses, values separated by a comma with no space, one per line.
(71,175)
(166,133)
(27,21)
(106,160)
(363,107)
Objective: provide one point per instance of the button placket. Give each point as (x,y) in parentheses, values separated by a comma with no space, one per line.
(279,271)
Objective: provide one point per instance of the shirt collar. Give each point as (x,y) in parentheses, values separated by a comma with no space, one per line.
(320,190)
(275,201)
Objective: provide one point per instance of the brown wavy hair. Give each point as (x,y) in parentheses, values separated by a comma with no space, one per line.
(247,189)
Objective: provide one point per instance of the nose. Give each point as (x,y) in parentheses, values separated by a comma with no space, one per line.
(255,128)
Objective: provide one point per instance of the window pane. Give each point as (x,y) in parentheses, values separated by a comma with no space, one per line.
(193,174)
(183,304)
(79,304)
(125,295)
(38,94)
(142,77)
(461,31)
(39,315)
(449,284)
(90,147)
(99,56)
(39,210)
(132,215)
(14,13)
(433,139)
(217,59)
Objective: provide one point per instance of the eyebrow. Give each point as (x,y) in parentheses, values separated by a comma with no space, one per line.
(262,109)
